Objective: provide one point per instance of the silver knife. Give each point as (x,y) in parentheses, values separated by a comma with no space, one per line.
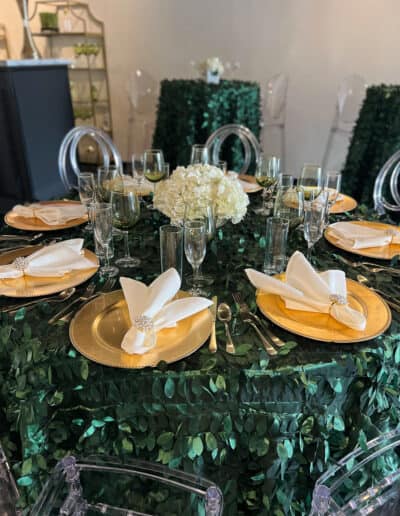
(213,339)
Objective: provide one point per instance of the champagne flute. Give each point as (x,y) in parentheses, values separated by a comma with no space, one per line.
(333,180)
(267,174)
(199,155)
(314,220)
(310,180)
(103,224)
(126,213)
(138,170)
(289,204)
(87,193)
(195,238)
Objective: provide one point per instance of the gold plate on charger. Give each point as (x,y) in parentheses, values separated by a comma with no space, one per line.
(386,252)
(34,286)
(345,203)
(97,330)
(34,224)
(252,182)
(325,328)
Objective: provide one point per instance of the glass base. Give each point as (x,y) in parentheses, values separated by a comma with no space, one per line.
(109,271)
(203,280)
(196,291)
(128,261)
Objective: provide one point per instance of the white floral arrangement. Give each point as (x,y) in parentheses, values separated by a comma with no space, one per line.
(192,189)
(211,65)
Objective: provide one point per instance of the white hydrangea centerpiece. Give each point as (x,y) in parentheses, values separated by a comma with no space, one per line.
(191,189)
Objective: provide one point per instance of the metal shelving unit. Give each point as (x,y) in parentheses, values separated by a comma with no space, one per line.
(81,38)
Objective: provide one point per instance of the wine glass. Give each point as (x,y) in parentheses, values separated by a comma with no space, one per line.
(289,204)
(314,220)
(138,170)
(195,238)
(154,167)
(87,193)
(199,155)
(126,213)
(310,180)
(102,217)
(105,178)
(267,173)
(285,180)
(332,184)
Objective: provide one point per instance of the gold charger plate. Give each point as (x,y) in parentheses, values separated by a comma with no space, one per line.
(252,181)
(97,330)
(346,203)
(386,252)
(325,328)
(34,286)
(34,224)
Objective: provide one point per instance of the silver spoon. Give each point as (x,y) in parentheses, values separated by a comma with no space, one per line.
(224,315)
(389,300)
(59,298)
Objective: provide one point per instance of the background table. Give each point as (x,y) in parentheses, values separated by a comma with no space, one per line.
(190,110)
(263,429)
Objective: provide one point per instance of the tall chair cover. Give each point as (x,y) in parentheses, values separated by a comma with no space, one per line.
(390,171)
(106,486)
(249,141)
(68,165)
(366,481)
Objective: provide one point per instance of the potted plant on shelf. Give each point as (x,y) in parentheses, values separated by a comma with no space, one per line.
(48,22)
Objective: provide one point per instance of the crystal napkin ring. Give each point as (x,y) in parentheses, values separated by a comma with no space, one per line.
(145,325)
(337,299)
(21,263)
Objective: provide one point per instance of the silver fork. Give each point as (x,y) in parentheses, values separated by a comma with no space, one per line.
(85,296)
(244,308)
(25,238)
(371,267)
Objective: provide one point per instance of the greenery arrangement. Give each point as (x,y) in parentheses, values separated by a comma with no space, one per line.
(190,110)
(262,429)
(86,49)
(376,137)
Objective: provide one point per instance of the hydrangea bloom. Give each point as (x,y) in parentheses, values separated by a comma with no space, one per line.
(197,186)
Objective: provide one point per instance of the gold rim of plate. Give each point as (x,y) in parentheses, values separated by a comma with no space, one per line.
(252,181)
(35,286)
(346,203)
(98,327)
(34,224)
(323,327)
(386,252)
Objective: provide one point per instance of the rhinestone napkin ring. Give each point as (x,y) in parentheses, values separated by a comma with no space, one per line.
(20,263)
(143,323)
(337,299)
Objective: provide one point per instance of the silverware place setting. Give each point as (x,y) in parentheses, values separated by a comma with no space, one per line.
(212,347)
(62,296)
(224,315)
(390,300)
(371,267)
(22,238)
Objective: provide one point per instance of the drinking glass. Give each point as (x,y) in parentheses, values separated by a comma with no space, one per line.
(171,247)
(289,204)
(314,222)
(87,193)
(126,213)
(138,170)
(333,180)
(105,178)
(199,155)
(195,237)
(285,180)
(275,250)
(266,175)
(222,165)
(310,180)
(103,223)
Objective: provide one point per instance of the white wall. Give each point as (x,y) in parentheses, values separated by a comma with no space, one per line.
(317,42)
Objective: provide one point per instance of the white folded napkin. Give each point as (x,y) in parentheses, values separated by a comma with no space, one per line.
(309,291)
(53,260)
(248,186)
(50,214)
(151,309)
(359,236)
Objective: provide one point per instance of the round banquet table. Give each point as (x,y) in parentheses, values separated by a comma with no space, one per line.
(262,428)
(190,110)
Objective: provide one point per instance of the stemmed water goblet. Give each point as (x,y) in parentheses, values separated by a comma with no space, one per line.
(195,242)
(314,220)
(102,217)
(87,193)
(199,155)
(332,183)
(154,167)
(267,174)
(310,180)
(126,213)
(289,204)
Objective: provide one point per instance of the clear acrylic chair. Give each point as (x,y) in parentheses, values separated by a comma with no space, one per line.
(366,481)
(275,116)
(142,92)
(68,165)
(349,98)
(389,173)
(8,488)
(105,486)
(250,144)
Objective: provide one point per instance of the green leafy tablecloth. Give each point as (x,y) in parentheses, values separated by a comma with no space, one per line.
(263,429)
(190,110)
